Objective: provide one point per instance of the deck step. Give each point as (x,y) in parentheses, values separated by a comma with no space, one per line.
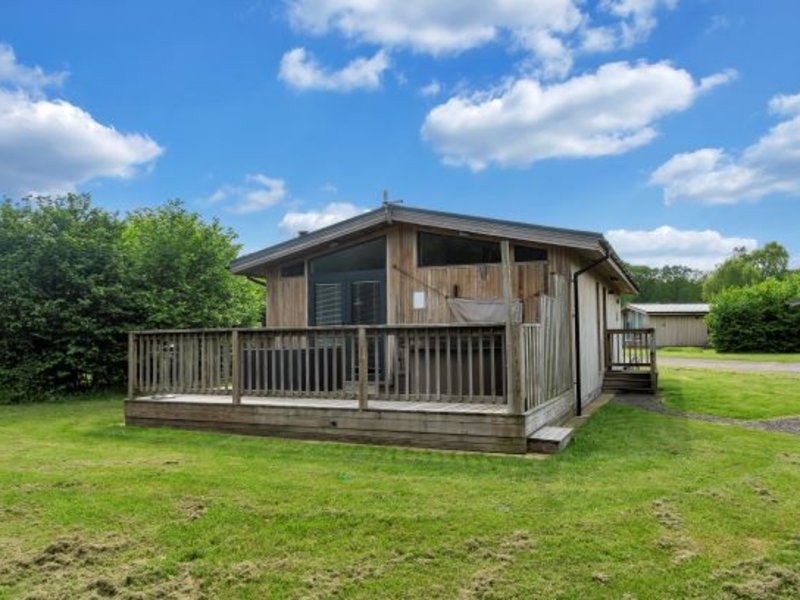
(628,381)
(549,440)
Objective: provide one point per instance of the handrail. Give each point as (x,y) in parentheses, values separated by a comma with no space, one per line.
(318,328)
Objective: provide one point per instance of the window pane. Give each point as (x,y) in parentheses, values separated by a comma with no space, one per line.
(295,270)
(363,257)
(528,254)
(366,302)
(328,306)
(440,250)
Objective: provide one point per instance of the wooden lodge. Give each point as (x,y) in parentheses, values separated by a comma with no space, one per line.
(677,324)
(411,327)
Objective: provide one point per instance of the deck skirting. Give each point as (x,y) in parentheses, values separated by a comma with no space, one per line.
(489,432)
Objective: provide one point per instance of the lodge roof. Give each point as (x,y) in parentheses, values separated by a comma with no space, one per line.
(594,242)
(696,308)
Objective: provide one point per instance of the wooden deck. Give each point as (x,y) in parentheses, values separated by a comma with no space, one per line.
(478,427)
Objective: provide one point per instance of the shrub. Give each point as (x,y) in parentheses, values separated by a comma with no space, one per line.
(757,318)
(74,279)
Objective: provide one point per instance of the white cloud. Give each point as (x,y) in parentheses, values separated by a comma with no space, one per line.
(784,105)
(257,193)
(667,245)
(607,112)
(549,30)
(301,70)
(770,166)
(637,17)
(446,26)
(294,222)
(431,90)
(12,73)
(51,146)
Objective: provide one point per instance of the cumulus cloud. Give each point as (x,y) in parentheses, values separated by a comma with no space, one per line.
(13,73)
(52,146)
(49,146)
(770,166)
(301,70)
(294,222)
(431,90)
(549,30)
(607,112)
(255,194)
(665,245)
(637,17)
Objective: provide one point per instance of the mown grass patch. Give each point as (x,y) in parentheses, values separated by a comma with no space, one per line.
(711,354)
(640,504)
(738,395)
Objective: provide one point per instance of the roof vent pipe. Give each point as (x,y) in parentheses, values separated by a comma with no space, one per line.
(302,233)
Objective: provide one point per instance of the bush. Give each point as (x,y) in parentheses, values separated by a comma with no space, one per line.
(757,318)
(74,279)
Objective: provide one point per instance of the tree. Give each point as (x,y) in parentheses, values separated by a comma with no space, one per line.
(772,260)
(747,268)
(674,283)
(177,269)
(62,297)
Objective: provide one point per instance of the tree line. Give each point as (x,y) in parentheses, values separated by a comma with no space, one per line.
(752,296)
(75,278)
(677,283)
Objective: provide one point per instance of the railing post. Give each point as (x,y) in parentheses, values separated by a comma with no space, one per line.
(131,366)
(362,368)
(653,371)
(512,335)
(236,368)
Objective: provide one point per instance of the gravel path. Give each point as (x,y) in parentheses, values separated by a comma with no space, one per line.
(653,403)
(730,365)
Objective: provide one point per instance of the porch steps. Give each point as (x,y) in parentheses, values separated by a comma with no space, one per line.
(549,440)
(629,381)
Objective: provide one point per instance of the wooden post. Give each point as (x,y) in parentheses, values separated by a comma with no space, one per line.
(132,358)
(236,368)
(362,368)
(512,335)
(653,371)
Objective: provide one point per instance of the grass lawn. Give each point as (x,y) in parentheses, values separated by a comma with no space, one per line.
(639,506)
(738,395)
(710,353)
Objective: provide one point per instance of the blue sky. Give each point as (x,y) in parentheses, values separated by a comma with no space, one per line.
(671,125)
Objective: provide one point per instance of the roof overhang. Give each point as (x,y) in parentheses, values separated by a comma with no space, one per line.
(587,241)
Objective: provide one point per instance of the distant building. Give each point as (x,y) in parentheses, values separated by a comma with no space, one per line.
(675,324)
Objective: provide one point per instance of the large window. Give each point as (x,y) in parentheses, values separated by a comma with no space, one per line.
(528,254)
(363,257)
(441,250)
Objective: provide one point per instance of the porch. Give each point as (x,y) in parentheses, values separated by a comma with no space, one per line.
(484,387)
(630,360)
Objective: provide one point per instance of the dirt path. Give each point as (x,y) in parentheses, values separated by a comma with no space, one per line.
(730,365)
(653,403)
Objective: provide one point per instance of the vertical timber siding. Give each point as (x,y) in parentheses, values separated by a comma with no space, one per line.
(287,301)
(679,330)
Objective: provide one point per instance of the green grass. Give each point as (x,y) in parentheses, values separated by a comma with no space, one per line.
(710,353)
(640,504)
(738,395)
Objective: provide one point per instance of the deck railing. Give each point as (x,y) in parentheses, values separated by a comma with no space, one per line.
(630,349)
(441,363)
